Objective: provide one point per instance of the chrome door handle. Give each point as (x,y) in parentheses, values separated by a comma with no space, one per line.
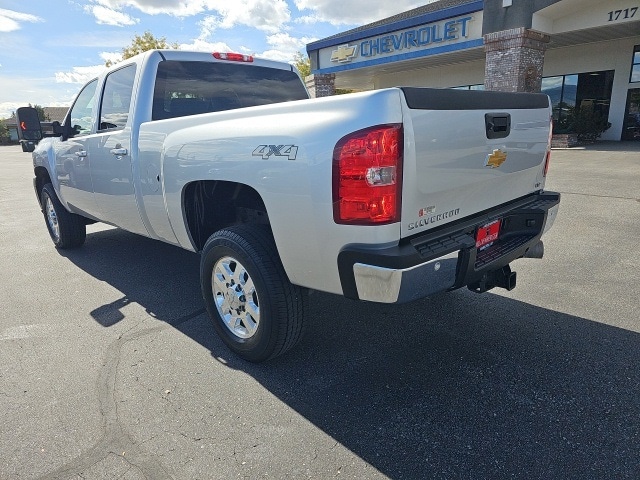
(119,151)
(81,153)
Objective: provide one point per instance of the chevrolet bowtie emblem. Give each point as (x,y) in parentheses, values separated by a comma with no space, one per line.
(495,159)
(343,54)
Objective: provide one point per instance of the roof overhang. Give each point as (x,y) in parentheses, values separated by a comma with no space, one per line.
(448,35)
(364,78)
(568,22)
(575,22)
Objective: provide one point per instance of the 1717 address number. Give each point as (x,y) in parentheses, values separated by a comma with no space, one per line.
(622,14)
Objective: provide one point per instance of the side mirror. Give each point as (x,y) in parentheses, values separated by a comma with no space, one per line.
(29,128)
(62,130)
(58,129)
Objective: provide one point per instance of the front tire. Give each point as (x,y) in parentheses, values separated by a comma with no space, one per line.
(256,311)
(67,230)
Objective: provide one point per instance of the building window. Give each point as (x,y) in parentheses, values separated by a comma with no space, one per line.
(635,65)
(577,91)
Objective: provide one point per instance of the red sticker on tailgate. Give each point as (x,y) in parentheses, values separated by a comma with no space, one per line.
(487,234)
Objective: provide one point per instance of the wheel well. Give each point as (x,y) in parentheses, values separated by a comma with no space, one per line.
(210,205)
(42,178)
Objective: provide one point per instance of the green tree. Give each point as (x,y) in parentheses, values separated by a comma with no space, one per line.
(142,43)
(303,64)
(4,133)
(41,115)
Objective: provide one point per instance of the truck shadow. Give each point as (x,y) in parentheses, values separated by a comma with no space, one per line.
(456,386)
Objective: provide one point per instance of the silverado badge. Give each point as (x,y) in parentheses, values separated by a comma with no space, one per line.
(495,159)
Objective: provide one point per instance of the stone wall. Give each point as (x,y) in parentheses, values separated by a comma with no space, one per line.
(514,60)
(322,85)
(564,140)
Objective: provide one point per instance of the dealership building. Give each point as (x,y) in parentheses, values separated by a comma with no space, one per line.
(584,54)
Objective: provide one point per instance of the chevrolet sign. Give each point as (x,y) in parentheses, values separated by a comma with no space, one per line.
(408,41)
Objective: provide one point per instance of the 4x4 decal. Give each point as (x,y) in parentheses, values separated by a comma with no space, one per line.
(265,151)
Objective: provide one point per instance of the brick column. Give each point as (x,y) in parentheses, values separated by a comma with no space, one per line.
(321,85)
(514,60)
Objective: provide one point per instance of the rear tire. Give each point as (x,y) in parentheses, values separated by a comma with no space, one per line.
(67,230)
(256,311)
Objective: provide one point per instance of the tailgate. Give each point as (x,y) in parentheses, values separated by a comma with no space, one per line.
(469,151)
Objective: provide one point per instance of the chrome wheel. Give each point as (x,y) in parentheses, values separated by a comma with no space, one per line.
(257,312)
(52,219)
(67,230)
(235,297)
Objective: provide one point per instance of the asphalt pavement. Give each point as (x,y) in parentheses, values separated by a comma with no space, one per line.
(110,368)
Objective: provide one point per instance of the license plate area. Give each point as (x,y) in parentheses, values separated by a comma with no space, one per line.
(487,234)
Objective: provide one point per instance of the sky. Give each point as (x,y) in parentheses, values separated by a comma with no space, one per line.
(50,48)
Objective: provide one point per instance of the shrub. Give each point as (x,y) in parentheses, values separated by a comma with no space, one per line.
(587,123)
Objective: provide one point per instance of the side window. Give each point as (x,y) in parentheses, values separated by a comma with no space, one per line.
(81,114)
(116,99)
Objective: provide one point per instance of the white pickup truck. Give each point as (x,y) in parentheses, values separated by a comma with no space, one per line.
(385,196)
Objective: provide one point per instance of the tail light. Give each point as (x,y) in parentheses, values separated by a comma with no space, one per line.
(546,163)
(547,157)
(367,176)
(233,57)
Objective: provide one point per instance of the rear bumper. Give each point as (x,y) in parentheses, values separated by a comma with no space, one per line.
(446,258)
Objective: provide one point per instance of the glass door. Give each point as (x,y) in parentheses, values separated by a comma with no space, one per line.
(631,125)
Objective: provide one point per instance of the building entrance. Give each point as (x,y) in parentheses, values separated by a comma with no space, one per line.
(631,126)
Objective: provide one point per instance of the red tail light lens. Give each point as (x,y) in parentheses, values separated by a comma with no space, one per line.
(546,163)
(233,57)
(547,157)
(367,176)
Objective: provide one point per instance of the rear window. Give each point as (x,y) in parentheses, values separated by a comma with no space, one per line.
(189,88)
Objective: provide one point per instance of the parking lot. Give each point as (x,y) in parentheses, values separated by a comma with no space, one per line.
(109,367)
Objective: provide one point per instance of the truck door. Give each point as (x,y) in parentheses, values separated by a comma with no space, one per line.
(72,159)
(111,154)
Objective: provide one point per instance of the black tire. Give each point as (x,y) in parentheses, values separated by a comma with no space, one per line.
(67,230)
(256,311)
